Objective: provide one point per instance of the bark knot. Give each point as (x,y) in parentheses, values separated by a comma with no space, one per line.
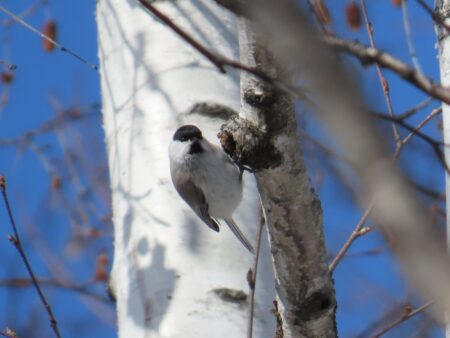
(249,145)
(314,306)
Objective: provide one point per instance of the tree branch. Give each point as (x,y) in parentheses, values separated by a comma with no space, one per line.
(407,314)
(408,35)
(435,16)
(81,289)
(365,54)
(359,231)
(18,245)
(373,55)
(383,82)
(45,37)
(8,65)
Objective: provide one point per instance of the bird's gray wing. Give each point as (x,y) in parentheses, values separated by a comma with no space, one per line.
(195,198)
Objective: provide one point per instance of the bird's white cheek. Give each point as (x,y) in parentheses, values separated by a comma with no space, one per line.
(178,150)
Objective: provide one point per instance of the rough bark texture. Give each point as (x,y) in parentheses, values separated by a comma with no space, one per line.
(265,138)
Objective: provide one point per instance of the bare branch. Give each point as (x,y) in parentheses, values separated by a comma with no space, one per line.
(81,289)
(373,55)
(219,61)
(36,31)
(436,17)
(434,144)
(408,34)
(415,109)
(27,12)
(65,117)
(8,65)
(313,8)
(407,314)
(359,230)
(18,244)
(383,82)
(415,131)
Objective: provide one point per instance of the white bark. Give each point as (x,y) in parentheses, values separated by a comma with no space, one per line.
(443,9)
(167,264)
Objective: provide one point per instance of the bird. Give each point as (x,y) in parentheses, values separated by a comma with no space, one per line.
(206,179)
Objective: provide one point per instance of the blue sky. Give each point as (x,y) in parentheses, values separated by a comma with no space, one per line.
(60,247)
(367,286)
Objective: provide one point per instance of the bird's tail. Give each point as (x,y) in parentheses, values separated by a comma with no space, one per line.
(237,232)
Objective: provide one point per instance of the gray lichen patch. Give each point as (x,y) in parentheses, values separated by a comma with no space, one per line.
(231,295)
(213,110)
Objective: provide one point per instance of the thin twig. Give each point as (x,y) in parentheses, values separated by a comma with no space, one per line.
(384,83)
(81,289)
(433,113)
(215,59)
(368,54)
(358,231)
(68,116)
(408,34)
(27,12)
(312,8)
(219,61)
(42,35)
(434,144)
(405,316)
(415,109)
(18,244)
(435,16)
(8,65)
(374,326)
(362,52)
(427,191)
(251,275)
(410,128)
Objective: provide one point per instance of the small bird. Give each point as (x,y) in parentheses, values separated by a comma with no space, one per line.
(206,178)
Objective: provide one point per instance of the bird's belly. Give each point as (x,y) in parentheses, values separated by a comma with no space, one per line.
(223,202)
(224,192)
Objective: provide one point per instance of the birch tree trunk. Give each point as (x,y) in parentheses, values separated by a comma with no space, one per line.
(443,10)
(172,276)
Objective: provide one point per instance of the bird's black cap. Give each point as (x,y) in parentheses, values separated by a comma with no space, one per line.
(187,132)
